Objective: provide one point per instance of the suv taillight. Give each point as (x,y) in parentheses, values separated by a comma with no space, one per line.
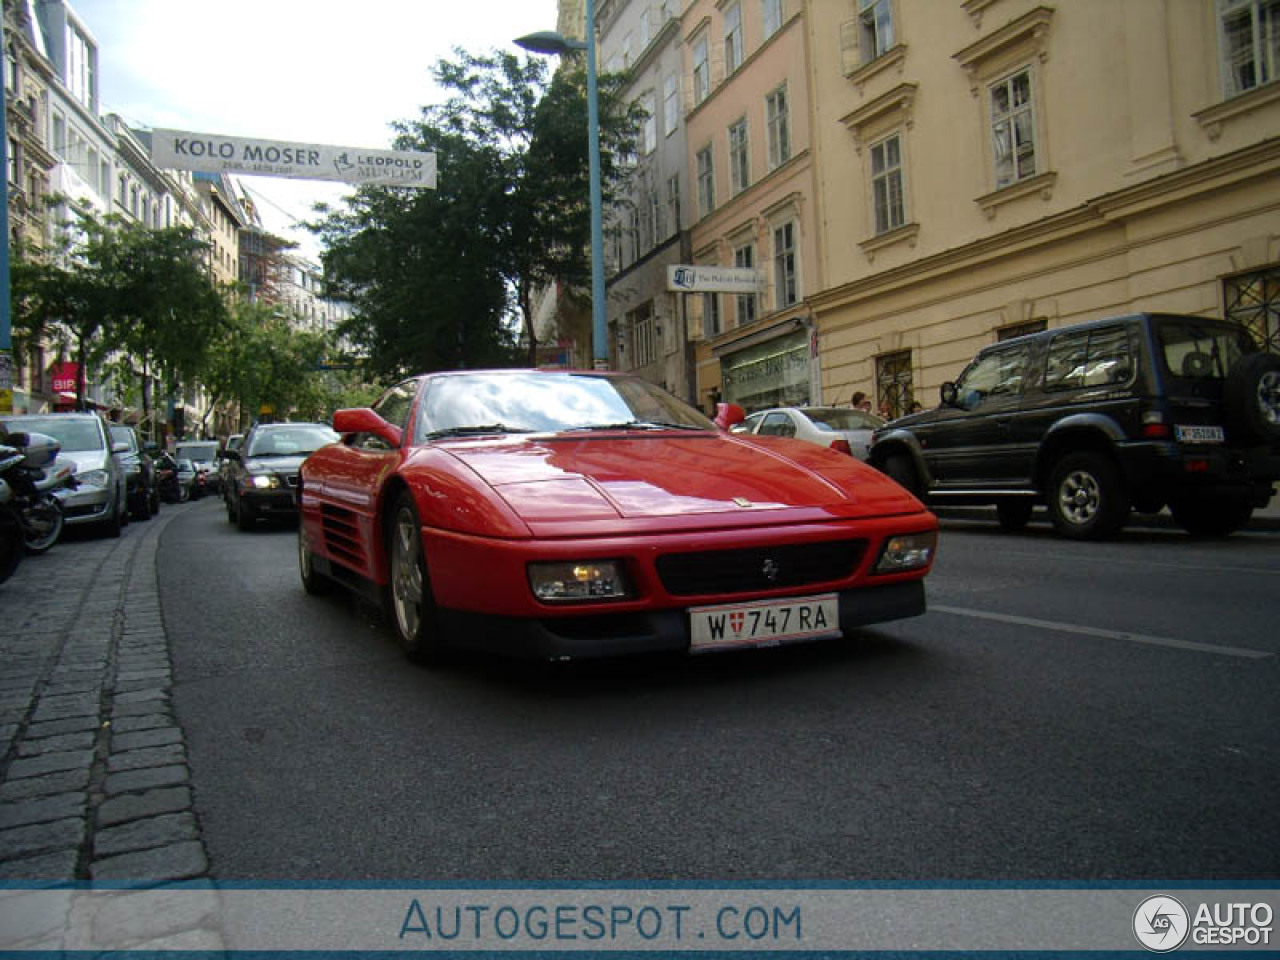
(841,446)
(1154,427)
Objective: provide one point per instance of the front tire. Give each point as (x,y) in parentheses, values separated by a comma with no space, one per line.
(409,590)
(1087,500)
(42,525)
(314,582)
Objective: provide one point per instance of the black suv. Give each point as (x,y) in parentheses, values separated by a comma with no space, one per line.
(1093,420)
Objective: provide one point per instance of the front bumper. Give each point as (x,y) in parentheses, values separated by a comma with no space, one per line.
(656,631)
(267,503)
(86,504)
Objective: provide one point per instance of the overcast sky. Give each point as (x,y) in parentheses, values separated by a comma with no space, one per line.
(316,71)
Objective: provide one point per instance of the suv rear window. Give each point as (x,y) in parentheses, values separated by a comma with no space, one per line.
(1201,350)
(1088,358)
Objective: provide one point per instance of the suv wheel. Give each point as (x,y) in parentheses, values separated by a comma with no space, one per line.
(899,468)
(1211,518)
(1253,398)
(1086,499)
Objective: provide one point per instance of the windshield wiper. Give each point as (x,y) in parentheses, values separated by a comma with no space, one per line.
(635,425)
(474,431)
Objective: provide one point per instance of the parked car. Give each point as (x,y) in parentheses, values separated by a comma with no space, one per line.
(141,479)
(840,428)
(203,455)
(1097,419)
(224,463)
(101,496)
(555,514)
(263,473)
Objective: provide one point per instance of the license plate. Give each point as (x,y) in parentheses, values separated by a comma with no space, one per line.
(1198,434)
(763,622)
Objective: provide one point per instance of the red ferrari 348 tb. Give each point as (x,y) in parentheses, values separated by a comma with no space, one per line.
(555,514)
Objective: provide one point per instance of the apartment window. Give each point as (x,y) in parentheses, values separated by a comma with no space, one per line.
(875,28)
(122,191)
(706,182)
(786,285)
(1249,32)
(12,162)
(739,161)
(11,71)
(626,51)
(1253,300)
(771,14)
(701,70)
(710,314)
(673,202)
(1013,129)
(732,39)
(745,258)
(670,105)
(80,66)
(60,135)
(895,390)
(886,185)
(778,116)
(649,129)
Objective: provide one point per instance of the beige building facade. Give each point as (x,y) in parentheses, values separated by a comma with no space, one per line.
(752,193)
(988,167)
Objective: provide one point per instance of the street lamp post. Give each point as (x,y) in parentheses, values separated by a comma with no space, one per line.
(553,43)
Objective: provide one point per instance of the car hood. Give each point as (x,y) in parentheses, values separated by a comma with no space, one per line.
(289,464)
(645,476)
(84,460)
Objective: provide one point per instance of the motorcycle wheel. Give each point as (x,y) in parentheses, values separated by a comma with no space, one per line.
(11,545)
(42,525)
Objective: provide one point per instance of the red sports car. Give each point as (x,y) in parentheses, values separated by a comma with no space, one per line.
(556,514)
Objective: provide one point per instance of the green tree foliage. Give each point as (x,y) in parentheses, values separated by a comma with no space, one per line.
(437,276)
(117,290)
(264,362)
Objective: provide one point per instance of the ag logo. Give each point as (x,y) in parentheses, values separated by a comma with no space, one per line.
(1161,923)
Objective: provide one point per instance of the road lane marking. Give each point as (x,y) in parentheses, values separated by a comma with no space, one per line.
(1105,634)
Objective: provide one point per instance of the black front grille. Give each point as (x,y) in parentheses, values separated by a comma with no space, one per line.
(758,568)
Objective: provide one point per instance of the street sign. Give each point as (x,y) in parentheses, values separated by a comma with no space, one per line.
(214,153)
(704,279)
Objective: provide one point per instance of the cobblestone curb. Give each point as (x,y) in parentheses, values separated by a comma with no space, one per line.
(94,782)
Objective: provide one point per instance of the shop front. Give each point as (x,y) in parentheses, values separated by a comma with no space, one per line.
(771,368)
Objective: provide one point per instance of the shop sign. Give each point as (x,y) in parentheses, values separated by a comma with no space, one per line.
(702,279)
(65,377)
(214,153)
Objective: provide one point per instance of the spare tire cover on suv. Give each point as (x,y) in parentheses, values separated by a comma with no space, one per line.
(1253,399)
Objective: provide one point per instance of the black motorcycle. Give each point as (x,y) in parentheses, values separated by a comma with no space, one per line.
(12,545)
(34,484)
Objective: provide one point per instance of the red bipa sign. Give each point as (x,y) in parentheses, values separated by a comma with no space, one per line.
(66,377)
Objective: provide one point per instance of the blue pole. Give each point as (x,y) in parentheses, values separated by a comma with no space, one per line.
(599,328)
(6,326)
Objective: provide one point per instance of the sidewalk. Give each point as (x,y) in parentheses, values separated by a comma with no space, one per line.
(94,783)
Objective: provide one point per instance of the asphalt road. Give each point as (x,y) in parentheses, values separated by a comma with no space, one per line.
(1064,712)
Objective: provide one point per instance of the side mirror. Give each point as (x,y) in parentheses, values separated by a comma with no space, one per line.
(949,394)
(364,420)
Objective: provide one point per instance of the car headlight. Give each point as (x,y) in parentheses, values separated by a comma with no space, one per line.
(907,551)
(263,482)
(95,478)
(581,580)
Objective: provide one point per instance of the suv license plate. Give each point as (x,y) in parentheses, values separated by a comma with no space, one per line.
(1198,434)
(764,622)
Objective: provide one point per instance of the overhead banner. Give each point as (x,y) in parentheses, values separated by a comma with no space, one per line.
(213,153)
(701,279)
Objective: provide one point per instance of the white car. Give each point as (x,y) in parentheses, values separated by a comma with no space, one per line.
(841,428)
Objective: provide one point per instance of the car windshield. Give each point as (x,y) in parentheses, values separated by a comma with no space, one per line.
(198,451)
(529,402)
(836,418)
(75,434)
(295,440)
(1201,349)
